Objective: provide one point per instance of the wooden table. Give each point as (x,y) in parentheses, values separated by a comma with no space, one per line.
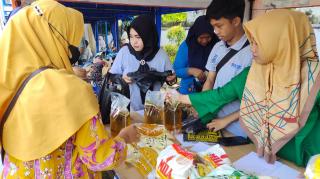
(126,171)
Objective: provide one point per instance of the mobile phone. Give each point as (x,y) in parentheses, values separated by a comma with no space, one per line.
(233,141)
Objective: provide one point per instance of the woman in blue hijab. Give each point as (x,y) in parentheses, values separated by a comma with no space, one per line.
(193,54)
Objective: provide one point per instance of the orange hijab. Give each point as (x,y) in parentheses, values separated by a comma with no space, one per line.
(279,95)
(55,103)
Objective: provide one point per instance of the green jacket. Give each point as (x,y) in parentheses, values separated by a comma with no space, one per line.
(299,149)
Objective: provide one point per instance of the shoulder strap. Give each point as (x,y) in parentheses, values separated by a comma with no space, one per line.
(228,56)
(13,102)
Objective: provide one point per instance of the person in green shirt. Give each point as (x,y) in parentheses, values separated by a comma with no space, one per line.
(279,93)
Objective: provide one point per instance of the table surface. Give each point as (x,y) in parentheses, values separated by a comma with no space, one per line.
(126,171)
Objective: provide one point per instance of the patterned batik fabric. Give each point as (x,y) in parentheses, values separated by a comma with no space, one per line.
(83,155)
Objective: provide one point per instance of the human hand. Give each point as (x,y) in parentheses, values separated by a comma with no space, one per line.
(174,95)
(126,79)
(80,72)
(217,124)
(199,74)
(130,134)
(171,97)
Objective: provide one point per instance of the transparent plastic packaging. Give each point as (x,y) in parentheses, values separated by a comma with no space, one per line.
(119,115)
(154,107)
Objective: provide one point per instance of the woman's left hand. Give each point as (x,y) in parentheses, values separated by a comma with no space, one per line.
(217,124)
(126,79)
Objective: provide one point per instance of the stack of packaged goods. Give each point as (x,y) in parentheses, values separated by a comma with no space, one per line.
(176,162)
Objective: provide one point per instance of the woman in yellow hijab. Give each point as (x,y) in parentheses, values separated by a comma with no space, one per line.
(54,129)
(280,99)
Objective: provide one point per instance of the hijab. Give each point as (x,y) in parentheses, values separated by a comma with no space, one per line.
(280,94)
(198,54)
(145,26)
(53,100)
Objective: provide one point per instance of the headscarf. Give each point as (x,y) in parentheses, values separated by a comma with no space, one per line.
(198,54)
(279,95)
(55,103)
(144,25)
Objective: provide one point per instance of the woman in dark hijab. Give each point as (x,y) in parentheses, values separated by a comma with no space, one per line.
(193,54)
(141,55)
(150,41)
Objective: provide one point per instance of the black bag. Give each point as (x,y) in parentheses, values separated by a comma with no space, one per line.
(112,83)
(145,80)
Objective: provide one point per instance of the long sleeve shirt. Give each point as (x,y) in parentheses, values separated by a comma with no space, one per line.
(181,66)
(298,150)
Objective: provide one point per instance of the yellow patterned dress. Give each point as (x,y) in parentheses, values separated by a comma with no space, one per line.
(83,155)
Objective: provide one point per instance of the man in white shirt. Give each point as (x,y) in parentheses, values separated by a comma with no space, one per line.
(226,17)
